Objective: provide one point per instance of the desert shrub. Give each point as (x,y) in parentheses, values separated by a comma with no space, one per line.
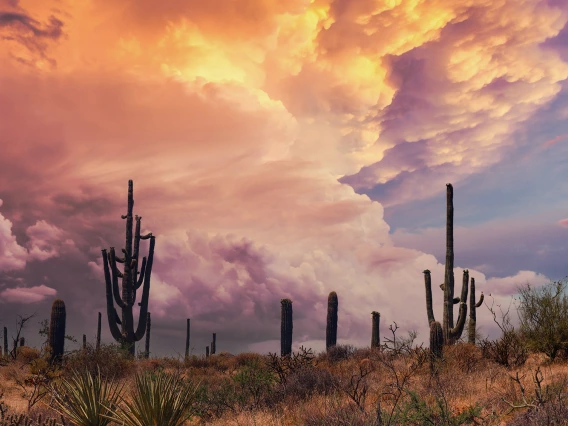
(283,366)
(418,411)
(27,354)
(509,350)
(337,414)
(246,358)
(543,313)
(465,357)
(254,383)
(339,353)
(306,382)
(109,359)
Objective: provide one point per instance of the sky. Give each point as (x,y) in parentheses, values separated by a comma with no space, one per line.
(280,149)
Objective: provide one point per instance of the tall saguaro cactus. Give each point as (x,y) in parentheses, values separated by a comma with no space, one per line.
(132,280)
(450,331)
(472,311)
(57,330)
(147,346)
(331,328)
(286,328)
(99,332)
(214,344)
(187,341)
(375,331)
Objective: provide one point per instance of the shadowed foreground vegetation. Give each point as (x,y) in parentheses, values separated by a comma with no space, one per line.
(496,382)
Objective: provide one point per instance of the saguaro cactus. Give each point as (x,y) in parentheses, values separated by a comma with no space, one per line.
(57,330)
(99,332)
(206,351)
(331,328)
(147,347)
(286,327)
(84,341)
(375,332)
(22,341)
(6,341)
(187,341)
(472,311)
(436,342)
(131,282)
(451,332)
(214,344)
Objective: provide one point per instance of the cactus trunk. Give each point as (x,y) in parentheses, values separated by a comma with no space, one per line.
(206,351)
(214,344)
(6,341)
(286,328)
(57,330)
(472,311)
(187,341)
(84,341)
(99,331)
(375,331)
(331,328)
(147,346)
(132,280)
(22,341)
(436,342)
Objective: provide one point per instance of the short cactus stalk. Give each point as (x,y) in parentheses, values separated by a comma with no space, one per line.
(452,332)
(187,341)
(22,341)
(147,346)
(331,327)
(132,280)
(286,325)
(214,344)
(206,351)
(6,341)
(99,332)
(57,330)
(436,343)
(472,311)
(375,331)
(84,342)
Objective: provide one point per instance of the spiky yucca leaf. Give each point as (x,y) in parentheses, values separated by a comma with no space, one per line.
(160,399)
(86,398)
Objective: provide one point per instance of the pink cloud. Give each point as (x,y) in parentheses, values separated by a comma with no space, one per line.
(27,295)
(563,222)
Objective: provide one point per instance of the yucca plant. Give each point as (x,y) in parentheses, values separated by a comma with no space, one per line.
(160,399)
(86,398)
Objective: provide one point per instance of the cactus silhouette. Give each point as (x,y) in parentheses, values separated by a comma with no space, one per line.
(375,332)
(131,282)
(84,341)
(436,342)
(5,341)
(472,308)
(214,344)
(451,332)
(57,330)
(286,327)
(99,332)
(187,341)
(331,328)
(22,341)
(206,351)
(147,346)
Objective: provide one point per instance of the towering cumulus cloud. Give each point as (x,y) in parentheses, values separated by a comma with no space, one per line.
(261,136)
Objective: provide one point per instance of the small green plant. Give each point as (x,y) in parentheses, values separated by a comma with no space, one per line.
(157,399)
(86,399)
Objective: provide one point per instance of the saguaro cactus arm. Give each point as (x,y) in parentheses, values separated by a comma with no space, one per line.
(457,331)
(145,292)
(115,276)
(428,287)
(111,311)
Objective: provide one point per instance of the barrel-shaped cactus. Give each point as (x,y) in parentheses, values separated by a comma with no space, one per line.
(331,327)
(57,330)
(286,328)
(472,314)
(375,332)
